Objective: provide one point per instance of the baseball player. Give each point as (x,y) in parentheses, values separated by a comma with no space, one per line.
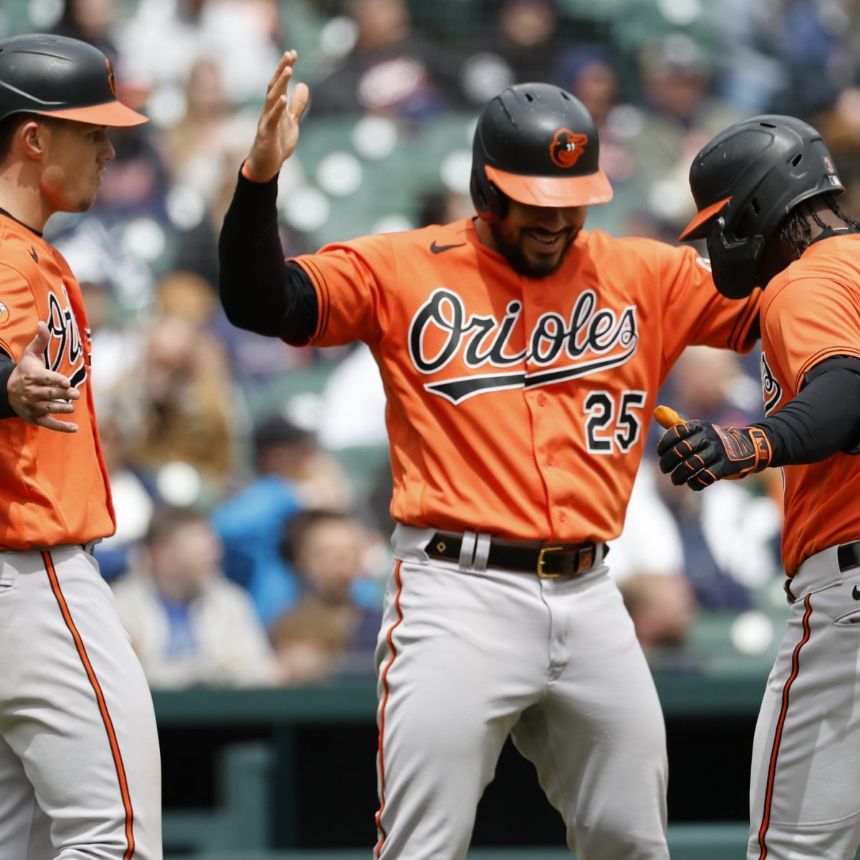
(79,759)
(520,356)
(766,190)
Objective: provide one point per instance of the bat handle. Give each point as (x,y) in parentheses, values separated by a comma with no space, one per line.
(667,417)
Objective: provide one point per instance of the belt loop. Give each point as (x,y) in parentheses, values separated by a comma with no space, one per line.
(482,552)
(467,550)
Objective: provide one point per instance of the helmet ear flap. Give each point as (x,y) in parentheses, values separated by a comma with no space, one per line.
(490,203)
(734,262)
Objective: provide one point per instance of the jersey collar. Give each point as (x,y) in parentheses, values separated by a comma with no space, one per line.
(19,221)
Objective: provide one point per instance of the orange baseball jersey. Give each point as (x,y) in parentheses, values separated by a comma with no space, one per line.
(55,487)
(810,312)
(519,406)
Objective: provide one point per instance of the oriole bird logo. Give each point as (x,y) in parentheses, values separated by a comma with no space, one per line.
(566,148)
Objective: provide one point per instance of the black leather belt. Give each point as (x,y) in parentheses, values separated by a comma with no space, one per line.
(547,560)
(847,558)
(848,555)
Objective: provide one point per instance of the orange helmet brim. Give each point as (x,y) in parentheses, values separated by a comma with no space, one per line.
(588,190)
(696,228)
(114,114)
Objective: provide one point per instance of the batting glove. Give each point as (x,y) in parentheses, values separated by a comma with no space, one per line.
(697,453)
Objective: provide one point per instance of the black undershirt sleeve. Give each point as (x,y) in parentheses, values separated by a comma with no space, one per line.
(6,368)
(259,290)
(822,420)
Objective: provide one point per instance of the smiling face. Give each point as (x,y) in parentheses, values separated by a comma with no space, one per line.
(535,239)
(75,155)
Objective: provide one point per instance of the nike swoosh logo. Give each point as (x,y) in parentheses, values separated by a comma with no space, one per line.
(438,249)
(855,593)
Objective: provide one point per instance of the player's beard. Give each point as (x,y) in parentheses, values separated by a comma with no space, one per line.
(521,263)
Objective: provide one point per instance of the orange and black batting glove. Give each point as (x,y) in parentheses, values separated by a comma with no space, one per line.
(697,453)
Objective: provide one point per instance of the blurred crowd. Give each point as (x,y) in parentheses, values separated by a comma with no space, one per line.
(250,478)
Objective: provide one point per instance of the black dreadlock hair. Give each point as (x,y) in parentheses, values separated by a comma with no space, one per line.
(797,229)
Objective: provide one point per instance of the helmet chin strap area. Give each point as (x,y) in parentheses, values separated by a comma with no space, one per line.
(734,263)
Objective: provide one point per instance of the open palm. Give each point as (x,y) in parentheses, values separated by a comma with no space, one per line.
(278,126)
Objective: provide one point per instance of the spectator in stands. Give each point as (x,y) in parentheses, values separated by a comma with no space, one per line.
(839,123)
(329,632)
(188,296)
(663,609)
(675,80)
(679,114)
(203,143)
(182,408)
(188,624)
(291,474)
(164,38)
(134,492)
(90,21)
(590,72)
(648,565)
(522,47)
(389,69)
(815,45)
(751,78)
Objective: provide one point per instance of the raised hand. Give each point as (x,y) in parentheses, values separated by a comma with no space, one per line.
(36,393)
(278,126)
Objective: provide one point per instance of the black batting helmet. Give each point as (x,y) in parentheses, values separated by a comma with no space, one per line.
(537,144)
(60,77)
(745,181)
